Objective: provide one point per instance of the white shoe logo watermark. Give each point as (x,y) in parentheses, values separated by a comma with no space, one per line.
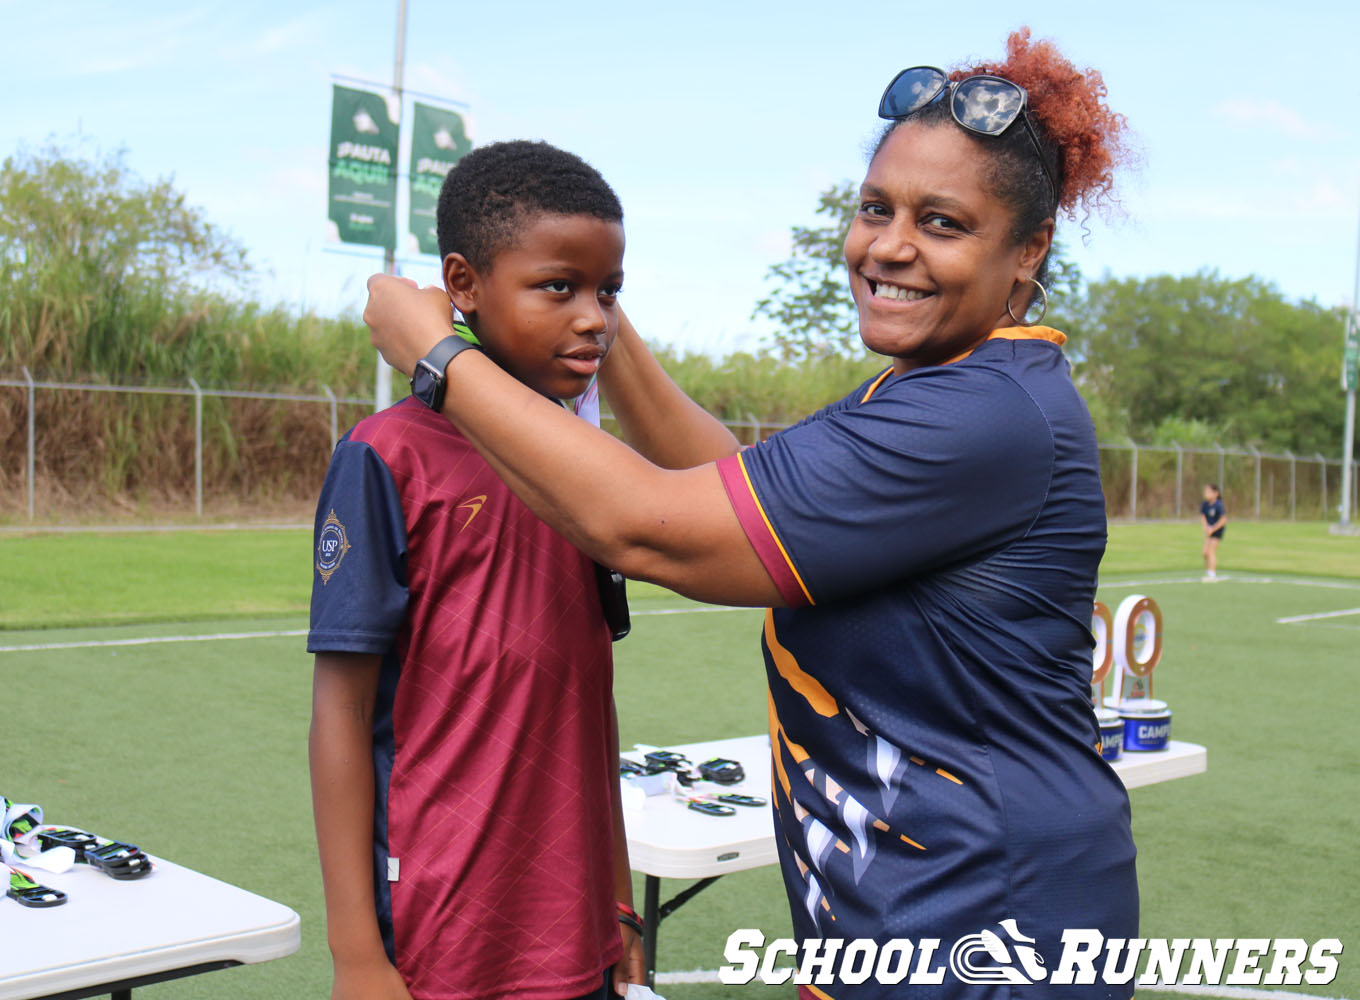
(1019,963)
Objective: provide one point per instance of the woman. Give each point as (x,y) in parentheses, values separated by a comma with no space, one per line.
(928,545)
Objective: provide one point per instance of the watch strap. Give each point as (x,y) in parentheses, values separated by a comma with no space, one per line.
(465,331)
(445,351)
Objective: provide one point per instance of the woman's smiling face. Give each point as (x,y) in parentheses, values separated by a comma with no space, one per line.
(931,250)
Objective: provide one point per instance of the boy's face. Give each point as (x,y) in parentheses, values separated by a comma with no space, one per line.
(547,309)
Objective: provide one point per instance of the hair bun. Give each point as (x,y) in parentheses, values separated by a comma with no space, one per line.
(1069,108)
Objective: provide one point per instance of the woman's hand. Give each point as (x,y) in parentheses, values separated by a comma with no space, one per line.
(404,320)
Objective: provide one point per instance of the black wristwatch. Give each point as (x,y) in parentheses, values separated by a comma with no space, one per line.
(427,381)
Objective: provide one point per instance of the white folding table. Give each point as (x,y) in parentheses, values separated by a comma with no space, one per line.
(110,936)
(667,839)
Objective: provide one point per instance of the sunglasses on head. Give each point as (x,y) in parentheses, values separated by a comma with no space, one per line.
(983,104)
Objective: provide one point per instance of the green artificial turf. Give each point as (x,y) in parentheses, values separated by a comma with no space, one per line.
(197,750)
(1306,548)
(93,578)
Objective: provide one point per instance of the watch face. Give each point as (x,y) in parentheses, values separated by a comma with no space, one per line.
(426,387)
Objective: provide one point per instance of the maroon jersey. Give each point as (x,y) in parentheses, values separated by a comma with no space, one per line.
(493,831)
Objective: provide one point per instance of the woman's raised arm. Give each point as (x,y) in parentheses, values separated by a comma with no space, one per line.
(655,415)
(672,527)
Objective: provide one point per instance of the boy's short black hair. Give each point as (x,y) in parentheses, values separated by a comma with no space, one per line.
(492,191)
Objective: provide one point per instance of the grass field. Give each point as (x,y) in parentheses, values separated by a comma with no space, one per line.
(197,750)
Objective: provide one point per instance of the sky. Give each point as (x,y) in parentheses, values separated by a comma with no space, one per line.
(718,123)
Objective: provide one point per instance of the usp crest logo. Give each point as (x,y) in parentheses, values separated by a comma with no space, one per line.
(331,545)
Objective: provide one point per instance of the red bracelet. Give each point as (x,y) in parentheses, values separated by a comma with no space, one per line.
(629,917)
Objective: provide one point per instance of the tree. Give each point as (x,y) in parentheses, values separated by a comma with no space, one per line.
(811,305)
(1231,358)
(99,270)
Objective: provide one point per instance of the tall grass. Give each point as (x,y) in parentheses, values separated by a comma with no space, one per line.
(101,451)
(106,277)
(109,279)
(740,386)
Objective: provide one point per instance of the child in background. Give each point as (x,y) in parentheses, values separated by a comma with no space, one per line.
(1212,516)
(463,744)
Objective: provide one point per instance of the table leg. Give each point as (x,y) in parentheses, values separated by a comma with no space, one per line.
(651,919)
(653,913)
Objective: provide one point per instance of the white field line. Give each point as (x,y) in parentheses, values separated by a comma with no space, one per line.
(690,611)
(705,609)
(1234,992)
(283,634)
(1292,620)
(1231,578)
(147,529)
(1317,617)
(1230,992)
(151,641)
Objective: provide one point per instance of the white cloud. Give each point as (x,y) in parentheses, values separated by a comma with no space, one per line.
(133,45)
(1317,201)
(297,31)
(1274,115)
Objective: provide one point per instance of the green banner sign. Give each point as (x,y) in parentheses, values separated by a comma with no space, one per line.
(438,141)
(363,169)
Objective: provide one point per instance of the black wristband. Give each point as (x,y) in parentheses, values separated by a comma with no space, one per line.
(427,380)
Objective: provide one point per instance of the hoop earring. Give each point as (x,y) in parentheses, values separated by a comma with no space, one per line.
(1042,313)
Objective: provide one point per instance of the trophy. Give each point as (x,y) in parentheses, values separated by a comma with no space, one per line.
(1137,642)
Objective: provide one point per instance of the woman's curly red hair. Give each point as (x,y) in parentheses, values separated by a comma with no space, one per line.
(1069,106)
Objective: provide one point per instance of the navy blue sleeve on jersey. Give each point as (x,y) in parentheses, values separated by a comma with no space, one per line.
(936,468)
(359,586)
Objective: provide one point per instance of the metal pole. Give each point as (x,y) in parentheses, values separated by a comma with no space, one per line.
(1347,450)
(1178,478)
(1258,480)
(32,440)
(335,419)
(1291,484)
(198,447)
(1133,483)
(1348,376)
(382,388)
(1326,513)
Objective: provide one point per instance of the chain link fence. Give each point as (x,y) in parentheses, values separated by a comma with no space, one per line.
(176,449)
(1146,482)
(195,448)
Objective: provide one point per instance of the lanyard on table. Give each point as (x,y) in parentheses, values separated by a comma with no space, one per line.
(26,840)
(19,827)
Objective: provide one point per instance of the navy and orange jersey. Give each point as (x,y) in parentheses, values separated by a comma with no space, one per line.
(491,739)
(1213,511)
(936,536)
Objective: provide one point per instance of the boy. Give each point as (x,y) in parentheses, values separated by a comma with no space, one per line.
(463,742)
